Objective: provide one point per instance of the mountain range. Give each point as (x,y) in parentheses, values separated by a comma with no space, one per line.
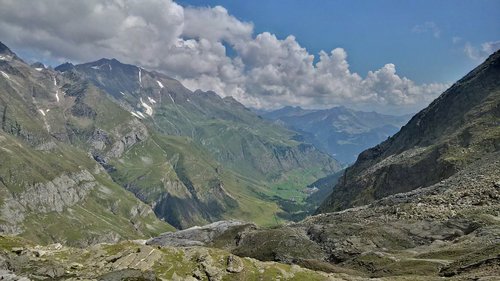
(122,140)
(110,152)
(339,131)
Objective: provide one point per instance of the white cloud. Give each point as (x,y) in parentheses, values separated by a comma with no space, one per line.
(82,30)
(479,53)
(456,39)
(489,48)
(190,44)
(428,26)
(215,24)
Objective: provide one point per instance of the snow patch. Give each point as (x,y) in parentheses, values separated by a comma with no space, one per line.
(57,90)
(100,66)
(4,58)
(151,100)
(171,98)
(149,109)
(122,93)
(38,68)
(5,75)
(42,112)
(140,76)
(47,110)
(135,114)
(160,84)
(140,114)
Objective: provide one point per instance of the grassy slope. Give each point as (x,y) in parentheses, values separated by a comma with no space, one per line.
(106,209)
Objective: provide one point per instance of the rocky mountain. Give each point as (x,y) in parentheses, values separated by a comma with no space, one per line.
(88,158)
(51,190)
(339,131)
(90,140)
(242,154)
(458,128)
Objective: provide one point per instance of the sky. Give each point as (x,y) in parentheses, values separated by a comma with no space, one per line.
(386,56)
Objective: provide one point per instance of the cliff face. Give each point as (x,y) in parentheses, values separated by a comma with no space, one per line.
(456,129)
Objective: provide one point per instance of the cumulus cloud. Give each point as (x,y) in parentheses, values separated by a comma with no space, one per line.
(481,52)
(190,44)
(428,27)
(80,30)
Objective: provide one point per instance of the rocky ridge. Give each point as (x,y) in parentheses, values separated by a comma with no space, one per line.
(458,128)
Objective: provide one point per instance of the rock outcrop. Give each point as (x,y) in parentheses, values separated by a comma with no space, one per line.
(225,234)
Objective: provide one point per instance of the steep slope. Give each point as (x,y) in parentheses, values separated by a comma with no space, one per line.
(459,127)
(339,131)
(234,135)
(49,111)
(50,190)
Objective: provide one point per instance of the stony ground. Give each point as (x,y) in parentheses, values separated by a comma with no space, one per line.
(133,260)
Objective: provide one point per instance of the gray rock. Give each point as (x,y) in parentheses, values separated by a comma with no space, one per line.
(199,236)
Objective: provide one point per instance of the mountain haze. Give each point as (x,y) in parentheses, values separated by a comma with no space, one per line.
(339,131)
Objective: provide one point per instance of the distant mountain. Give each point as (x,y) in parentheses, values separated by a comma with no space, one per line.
(339,131)
(458,128)
(110,142)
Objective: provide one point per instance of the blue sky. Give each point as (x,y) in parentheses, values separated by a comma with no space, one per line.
(386,56)
(378,32)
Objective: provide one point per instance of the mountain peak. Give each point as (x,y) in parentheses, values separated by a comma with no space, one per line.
(5,50)
(64,67)
(38,65)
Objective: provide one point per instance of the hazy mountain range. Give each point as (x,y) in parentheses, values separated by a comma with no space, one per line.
(339,131)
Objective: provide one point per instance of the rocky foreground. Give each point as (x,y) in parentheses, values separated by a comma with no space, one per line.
(132,260)
(450,230)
